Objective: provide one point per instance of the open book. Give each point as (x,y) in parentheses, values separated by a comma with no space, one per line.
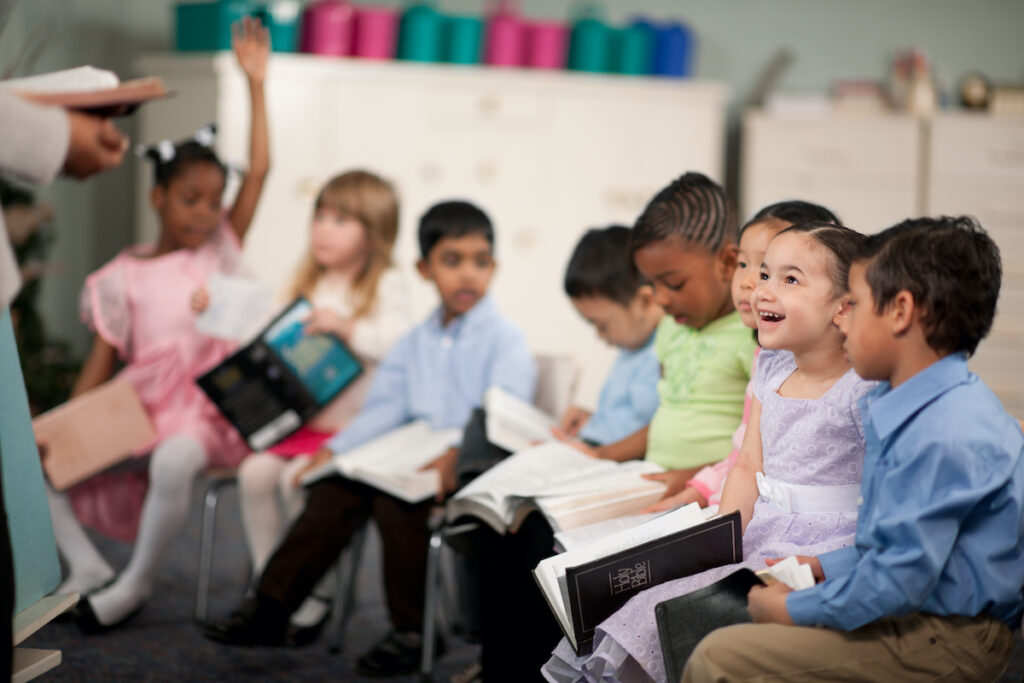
(282,378)
(89,89)
(392,462)
(514,424)
(584,586)
(569,488)
(91,432)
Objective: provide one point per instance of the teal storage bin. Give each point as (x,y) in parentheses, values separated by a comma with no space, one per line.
(633,53)
(421,34)
(282,18)
(206,26)
(463,39)
(590,45)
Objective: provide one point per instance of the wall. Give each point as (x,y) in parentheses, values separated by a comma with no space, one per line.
(829,38)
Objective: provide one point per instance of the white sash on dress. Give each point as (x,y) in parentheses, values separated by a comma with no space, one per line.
(801,498)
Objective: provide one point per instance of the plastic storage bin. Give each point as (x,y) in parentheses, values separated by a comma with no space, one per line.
(282,19)
(590,46)
(547,45)
(420,36)
(206,26)
(328,28)
(376,32)
(462,39)
(674,51)
(505,37)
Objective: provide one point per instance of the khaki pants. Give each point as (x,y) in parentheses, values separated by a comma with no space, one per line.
(918,647)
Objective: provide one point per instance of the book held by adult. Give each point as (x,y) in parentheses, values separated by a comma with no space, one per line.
(569,488)
(88,89)
(584,586)
(91,432)
(393,462)
(283,377)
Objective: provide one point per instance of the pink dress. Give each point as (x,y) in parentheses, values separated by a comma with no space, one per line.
(140,306)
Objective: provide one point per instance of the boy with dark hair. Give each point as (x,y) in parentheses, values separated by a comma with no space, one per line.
(933,585)
(437,372)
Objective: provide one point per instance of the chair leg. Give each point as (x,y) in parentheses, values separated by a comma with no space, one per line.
(345,590)
(430,603)
(211,498)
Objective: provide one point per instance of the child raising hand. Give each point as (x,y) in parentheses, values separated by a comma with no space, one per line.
(138,305)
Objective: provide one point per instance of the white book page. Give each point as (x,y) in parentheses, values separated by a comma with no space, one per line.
(790,572)
(534,470)
(514,424)
(79,79)
(619,476)
(574,538)
(239,308)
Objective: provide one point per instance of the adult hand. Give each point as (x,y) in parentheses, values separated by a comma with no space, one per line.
(95,145)
(445,466)
(573,420)
(816,571)
(767,604)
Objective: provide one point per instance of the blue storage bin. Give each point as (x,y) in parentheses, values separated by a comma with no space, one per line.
(282,18)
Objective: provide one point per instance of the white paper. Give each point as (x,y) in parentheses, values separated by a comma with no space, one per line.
(790,572)
(514,424)
(574,538)
(239,308)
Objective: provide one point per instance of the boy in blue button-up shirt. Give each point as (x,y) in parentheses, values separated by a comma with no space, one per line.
(437,372)
(933,585)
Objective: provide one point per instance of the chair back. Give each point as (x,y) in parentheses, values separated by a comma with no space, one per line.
(556,382)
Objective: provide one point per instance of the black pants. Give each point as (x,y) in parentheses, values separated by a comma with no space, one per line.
(518,630)
(335,508)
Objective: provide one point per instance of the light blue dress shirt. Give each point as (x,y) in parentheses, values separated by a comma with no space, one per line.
(941,521)
(440,373)
(628,398)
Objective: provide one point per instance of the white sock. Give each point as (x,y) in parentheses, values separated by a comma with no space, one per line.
(172,469)
(314,608)
(262,520)
(87,570)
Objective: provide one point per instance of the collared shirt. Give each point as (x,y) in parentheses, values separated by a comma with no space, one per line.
(628,398)
(439,373)
(941,520)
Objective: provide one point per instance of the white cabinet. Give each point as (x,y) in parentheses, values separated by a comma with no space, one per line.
(976,166)
(546,154)
(865,167)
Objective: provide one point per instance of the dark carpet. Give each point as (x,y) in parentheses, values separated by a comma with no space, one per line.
(162,643)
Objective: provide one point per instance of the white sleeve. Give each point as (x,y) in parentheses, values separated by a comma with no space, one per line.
(33,139)
(375,333)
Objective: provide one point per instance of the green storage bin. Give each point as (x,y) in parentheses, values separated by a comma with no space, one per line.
(421,34)
(633,52)
(463,39)
(206,26)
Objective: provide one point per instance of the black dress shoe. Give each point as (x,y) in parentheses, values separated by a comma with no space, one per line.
(300,636)
(253,624)
(88,624)
(398,654)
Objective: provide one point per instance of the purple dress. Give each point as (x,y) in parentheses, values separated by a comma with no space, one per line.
(805,442)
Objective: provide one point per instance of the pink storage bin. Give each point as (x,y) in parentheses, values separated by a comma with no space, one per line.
(547,45)
(327,28)
(505,40)
(376,32)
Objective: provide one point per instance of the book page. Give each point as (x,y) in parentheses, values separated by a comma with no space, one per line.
(79,79)
(534,470)
(619,476)
(574,538)
(514,424)
(790,572)
(238,308)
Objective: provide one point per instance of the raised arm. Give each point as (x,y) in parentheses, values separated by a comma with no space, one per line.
(740,491)
(251,42)
(97,368)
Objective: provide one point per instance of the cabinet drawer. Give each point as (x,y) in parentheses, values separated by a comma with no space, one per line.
(988,148)
(483,106)
(882,146)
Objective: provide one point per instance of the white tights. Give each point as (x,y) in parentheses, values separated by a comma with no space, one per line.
(270,503)
(173,467)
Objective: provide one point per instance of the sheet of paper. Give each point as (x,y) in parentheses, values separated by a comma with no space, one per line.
(790,572)
(239,308)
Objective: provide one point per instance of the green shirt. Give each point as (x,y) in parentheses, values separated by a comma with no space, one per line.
(704,376)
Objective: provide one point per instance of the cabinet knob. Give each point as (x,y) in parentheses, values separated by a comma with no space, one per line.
(490,104)
(487,171)
(307,188)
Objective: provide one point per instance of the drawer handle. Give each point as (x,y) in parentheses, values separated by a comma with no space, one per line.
(307,188)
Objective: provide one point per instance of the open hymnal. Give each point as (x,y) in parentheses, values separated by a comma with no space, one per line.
(585,585)
(271,386)
(87,88)
(569,488)
(238,308)
(514,424)
(393,462)
(91,432)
